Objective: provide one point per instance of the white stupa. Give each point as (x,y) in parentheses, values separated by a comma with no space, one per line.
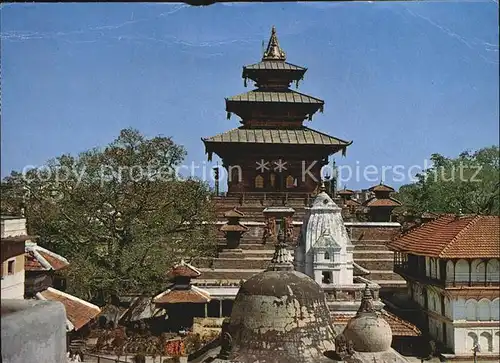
(324,251)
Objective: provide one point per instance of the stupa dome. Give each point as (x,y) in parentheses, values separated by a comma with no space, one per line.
(278,317)
(368,332)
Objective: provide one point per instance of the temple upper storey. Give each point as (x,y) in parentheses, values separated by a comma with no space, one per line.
(264,105)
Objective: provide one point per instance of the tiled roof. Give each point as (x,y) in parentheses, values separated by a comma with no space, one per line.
(184,269)
(352,203)
(275,96)
(234,213)
(274,65)
(382,202)
(37,258)
(302,136)
(78,312)
(31,263)
(451,236)
(399,327)
(429,215)
(140,308)
(381,188)
(345,192)
(176,296)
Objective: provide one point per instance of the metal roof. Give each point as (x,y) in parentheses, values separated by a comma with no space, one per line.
(302,136)
(275,97)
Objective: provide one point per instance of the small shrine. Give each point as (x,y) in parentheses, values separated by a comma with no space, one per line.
(233,231)
(182,300)
(324,251)
(272,147)
(381,204)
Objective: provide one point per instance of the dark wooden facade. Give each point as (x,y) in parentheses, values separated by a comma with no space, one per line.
(273,151)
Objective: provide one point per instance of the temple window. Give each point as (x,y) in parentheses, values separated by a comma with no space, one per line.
(327,256)
(327,277)
(272,179)
(235,173)
(259,182)
(289,181)
(10,267)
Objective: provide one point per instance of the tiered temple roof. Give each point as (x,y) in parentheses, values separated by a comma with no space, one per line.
(273,113)
(382,197)
(182,291)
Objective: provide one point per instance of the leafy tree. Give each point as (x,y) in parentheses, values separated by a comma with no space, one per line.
(468,184)
(119,214)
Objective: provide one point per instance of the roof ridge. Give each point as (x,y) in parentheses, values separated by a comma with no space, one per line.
(471,223)
(74,298)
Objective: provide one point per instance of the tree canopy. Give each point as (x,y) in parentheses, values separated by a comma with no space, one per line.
(466,184)
(119,214)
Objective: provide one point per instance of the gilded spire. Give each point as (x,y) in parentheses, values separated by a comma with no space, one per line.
(274,51)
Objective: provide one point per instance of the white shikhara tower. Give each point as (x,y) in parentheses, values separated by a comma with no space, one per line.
(324,251)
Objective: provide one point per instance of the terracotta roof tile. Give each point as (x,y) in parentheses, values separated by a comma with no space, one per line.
(193,295)
(78,312)
(56,263)
(352,203)
(345,192)
(381,188)
(382,202)
(399,327)
(38,258)
(450,236)
(31,263)
(184,269)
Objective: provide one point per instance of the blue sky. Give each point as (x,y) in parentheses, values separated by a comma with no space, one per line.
(402,80)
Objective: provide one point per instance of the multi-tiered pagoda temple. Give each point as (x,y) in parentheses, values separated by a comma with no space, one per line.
(272,150)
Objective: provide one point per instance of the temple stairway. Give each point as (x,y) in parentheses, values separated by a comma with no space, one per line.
(370,250)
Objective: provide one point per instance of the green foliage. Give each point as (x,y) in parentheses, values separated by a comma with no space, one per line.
(467,184)
(118,214)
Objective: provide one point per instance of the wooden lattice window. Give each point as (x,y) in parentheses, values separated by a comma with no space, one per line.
(259,182)
(290,181)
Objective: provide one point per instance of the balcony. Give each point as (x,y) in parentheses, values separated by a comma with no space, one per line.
(415,274)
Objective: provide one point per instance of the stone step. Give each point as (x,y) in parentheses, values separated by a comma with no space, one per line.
(384,275)
(391,283)
(238,263)
(252,246)
(376,263)
(381,242)
(370,247)
(228,274)
(372,254)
